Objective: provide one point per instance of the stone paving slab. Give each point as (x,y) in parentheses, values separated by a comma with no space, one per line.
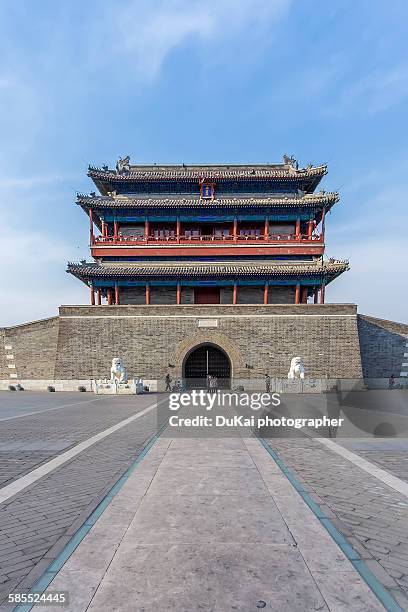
(42,445)
(225,538)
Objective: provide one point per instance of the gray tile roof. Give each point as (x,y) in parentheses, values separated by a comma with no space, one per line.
(308,200)
(216,172)
(330,269)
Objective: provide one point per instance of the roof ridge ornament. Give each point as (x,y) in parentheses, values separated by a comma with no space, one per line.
(123,164)
(291,162)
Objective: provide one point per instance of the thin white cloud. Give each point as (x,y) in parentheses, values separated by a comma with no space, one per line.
(34,281)
(378,91)
(142,34)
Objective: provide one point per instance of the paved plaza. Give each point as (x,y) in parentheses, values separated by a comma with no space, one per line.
(222,523)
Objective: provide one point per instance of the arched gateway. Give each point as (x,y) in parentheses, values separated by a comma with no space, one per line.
(203,361)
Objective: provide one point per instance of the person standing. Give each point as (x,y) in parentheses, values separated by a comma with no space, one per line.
(391,381)
(167,380)
(268,383)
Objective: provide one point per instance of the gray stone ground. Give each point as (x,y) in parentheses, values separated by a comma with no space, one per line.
(36,523)
(372,516)
(209,524)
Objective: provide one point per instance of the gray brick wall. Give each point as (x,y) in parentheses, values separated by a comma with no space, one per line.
(148,338)
(245,295)
(163,295)
(281,295)
(226,295)
(4,374)
(187,295)
(250,295)
(34,348)
(382,345)
(80,343)
(133,295)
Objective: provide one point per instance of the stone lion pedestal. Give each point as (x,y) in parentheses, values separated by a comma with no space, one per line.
(118,383)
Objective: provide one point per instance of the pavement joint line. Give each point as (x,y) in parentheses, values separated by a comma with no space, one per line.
(389,479)
(366,574)
(22,483)
(52,570)
(20,416)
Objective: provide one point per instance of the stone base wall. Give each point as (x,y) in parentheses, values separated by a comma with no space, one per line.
(42,384)
(279,385)
(81,342)
(384,347)
(29,351)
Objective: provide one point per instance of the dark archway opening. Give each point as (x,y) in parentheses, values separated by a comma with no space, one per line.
(203,361)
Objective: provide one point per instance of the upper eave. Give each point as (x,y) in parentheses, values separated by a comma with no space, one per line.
(104,177)
(319,200)
(193,172)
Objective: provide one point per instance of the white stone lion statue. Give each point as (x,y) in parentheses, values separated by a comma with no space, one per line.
(118,372)
(297,368)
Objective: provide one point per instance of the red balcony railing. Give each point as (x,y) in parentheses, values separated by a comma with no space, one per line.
(199,239)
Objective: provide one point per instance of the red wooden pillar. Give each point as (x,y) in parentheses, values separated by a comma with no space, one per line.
(266,293)
(109,292)
(315,295)
(304,295)
(147,294)
(323,223)
(235,293)
(91,232)
(115,230)
(235,229)
(178,227)
(310,230)
(103,229)
(178,293)
(322,294)
(117,296)
(99,296)
(266,230)
(297,231)
(92,296)
(146,232)
(297,294)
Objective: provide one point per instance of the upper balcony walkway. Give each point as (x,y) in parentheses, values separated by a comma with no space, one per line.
(207,239)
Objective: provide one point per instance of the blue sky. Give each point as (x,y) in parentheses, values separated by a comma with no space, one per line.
(201,81)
